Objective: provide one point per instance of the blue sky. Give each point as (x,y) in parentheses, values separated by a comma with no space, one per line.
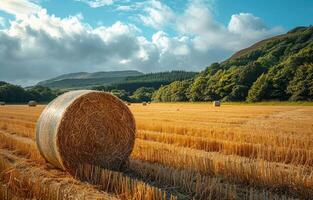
(40,39)
(285,13)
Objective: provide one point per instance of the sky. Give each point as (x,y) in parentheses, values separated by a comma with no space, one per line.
(40,39)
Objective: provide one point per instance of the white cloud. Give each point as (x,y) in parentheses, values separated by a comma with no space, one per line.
(245,21)
(125,61)
(124,8)
(157,14)
(167,45)
(250,27)
(19,8)
(207,34)
(97,3)
(198,19)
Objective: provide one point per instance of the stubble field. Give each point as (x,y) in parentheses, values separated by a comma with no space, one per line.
(182,151)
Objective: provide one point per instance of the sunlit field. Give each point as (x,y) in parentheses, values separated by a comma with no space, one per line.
(182,151)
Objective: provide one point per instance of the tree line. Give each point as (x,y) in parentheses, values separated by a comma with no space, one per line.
(10,93)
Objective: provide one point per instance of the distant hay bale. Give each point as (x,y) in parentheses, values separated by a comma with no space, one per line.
(86,127)
(149,102)
(32,103)
(216,103)
(128,103)
(2,103)
(144,103)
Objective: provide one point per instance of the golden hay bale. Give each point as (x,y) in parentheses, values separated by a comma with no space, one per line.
(144,103)
(2,103)
(216,103)
(86,127)
(32,103)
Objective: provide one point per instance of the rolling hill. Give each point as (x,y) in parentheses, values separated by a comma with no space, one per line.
(87,80)
(116,80)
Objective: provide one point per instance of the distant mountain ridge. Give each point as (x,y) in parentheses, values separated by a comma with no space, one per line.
(85,79)
(150,80)
(128,80)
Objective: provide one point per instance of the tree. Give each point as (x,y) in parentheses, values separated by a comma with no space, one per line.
(301,87)
(12,93)
(197,88)
(142,94)
(16,94)
(41,94)
(239,93)
(122,94)
(259,89)
(174,92)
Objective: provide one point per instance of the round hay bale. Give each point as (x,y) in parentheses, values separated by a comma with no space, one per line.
(144,103)
(216,103)
(2,103)
(32,103)
(86,127)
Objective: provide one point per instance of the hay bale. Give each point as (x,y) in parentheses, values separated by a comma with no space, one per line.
(86,127)
(32,103)
(216,103)
(144,103)
(2,103)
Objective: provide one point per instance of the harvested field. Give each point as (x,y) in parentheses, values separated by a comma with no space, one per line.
(182,151)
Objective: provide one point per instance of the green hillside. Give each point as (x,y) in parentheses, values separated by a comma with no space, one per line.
(129,80)
(87,80)
(151,80)
(278,68)
(141,88)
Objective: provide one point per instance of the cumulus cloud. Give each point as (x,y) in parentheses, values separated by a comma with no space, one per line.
(124,8)
(175,46)
(97,3)
(250,27)
(19,8)
(42,46)
(207,33)
(156,14)
(242,22)
(39,45)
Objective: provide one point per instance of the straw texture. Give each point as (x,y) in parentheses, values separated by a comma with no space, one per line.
(86,127)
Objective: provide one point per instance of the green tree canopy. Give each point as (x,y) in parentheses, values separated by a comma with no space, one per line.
(142,94)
